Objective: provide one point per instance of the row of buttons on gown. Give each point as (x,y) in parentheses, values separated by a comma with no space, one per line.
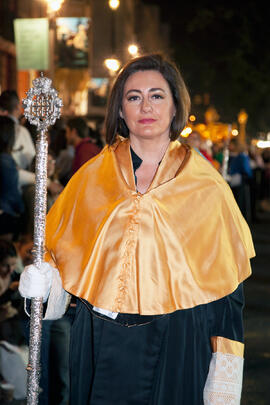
(129,253)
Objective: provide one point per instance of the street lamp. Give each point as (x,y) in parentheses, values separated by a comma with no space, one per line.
(54,5)
(133,50)
(113,65)
(114,4)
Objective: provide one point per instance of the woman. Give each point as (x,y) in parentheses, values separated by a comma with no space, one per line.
(149,238)
(11,203)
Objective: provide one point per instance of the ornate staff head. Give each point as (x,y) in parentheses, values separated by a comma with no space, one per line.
(42,106)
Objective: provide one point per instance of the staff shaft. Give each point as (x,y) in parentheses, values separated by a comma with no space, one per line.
(40,209)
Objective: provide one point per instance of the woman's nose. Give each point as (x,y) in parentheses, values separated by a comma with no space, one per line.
(146,105)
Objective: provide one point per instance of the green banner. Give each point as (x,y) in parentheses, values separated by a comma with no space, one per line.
(32,43)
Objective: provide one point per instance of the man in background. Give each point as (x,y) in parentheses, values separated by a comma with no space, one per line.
(23,151)
(77,134)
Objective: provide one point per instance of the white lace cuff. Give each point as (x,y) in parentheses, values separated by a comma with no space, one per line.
(58,298)
(224,381)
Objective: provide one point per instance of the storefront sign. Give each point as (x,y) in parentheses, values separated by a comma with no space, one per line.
(32,43)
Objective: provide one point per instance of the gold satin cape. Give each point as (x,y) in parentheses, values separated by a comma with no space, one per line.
(182,243)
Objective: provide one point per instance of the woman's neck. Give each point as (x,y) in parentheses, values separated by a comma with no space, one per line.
(151,151)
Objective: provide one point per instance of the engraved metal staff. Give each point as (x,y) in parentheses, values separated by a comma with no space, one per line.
(42,107)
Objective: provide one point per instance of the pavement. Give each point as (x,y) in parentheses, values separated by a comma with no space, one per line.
(256,382)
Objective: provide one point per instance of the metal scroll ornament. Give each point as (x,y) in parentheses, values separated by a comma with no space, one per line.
(42,107)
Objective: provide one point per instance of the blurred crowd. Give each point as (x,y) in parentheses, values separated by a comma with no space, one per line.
(72,141)
(245,167)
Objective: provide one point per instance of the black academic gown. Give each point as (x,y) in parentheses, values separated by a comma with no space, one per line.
(144,360)
(148,360)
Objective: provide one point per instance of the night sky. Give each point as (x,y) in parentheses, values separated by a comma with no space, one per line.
(223,50)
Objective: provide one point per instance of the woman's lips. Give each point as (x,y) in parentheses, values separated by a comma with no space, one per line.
(147,121)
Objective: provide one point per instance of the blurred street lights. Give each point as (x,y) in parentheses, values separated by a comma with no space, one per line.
(113,63)
(192,118)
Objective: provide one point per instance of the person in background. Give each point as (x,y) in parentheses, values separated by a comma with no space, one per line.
(54,188)
(13,345)
(11,302)
(23,151)
(11,202)
(77,134)
(217,152)
(265,181)
(148,239)
(96,137)
(206,150)
(255,182)
(64,153)
(239,175)
(3,111)
(195,141)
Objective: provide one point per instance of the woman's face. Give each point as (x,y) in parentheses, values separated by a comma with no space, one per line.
(147,105)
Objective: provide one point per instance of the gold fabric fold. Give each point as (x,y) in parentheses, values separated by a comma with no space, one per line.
(227,346)
(182,243)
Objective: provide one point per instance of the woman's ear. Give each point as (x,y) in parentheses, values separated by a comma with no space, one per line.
(120,113)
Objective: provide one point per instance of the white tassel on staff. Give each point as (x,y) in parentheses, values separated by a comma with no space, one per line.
(42,107)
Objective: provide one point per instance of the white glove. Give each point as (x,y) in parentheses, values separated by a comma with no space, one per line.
(36,282)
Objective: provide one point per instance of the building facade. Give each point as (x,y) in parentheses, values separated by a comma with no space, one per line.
(83,88)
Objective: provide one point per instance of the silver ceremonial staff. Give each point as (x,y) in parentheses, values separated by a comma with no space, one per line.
(42,107)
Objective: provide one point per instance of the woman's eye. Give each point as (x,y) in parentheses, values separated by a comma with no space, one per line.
(157,96)
(133,98)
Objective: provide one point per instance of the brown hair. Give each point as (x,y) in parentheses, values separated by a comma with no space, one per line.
(80,125)
(7,134)
(9,100)
(114,124)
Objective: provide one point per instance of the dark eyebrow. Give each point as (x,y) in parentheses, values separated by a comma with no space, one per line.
(157,89)
(139,91)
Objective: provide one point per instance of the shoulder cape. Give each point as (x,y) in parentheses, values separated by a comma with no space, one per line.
(182,243)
